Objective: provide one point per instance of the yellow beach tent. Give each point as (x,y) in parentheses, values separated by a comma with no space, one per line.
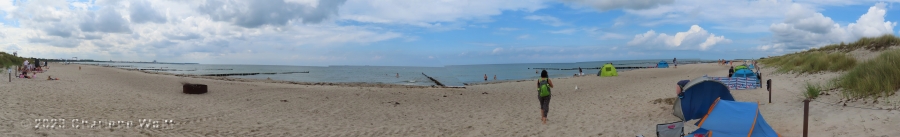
(608,70)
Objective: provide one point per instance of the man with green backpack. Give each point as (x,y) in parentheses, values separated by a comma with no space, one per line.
(544,84)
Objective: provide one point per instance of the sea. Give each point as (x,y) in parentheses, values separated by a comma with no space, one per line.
(451,75)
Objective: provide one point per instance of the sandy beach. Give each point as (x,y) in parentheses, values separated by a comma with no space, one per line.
(601,106)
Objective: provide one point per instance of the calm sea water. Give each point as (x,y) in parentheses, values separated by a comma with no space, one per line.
(454,75)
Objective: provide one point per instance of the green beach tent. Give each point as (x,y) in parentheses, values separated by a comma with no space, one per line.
(608,70)
(739,67)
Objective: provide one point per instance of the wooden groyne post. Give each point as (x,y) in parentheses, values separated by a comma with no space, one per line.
(769,88)
(435,80)
(805,116)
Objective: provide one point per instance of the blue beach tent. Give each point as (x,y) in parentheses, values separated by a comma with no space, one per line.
(697,96)
(744,73)
(662,64)
(735,119)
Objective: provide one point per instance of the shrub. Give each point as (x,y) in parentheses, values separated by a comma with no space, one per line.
(879,76)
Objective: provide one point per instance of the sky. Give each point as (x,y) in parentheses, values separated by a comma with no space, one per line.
(432,32)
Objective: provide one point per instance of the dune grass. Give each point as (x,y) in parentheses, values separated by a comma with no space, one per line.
(877,77)
(812,91)
(7,60)
(871,44)
(811,62)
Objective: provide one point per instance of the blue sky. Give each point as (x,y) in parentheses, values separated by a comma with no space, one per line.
(432,32)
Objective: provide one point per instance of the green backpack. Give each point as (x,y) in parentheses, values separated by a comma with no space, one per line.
(545,88)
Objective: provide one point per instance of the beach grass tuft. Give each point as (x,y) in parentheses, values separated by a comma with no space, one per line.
(812,91)
(811,62)
(877,77)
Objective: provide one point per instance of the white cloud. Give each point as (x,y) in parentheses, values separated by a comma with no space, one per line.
(427,13)
(269,12)
(842,2)
(777,46)
(7,6)
(508,29)
(872,23)
(804,28)
(484,44)
(549,20)
(525,36)
(497,50)
(564,31)
(605,5)
(732,14)
(607,36)
(141,30)
(695,38)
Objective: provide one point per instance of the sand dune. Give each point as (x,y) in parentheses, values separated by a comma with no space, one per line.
(607,106)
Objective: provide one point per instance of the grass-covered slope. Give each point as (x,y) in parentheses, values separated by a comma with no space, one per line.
(880,76)
(871,44)
(811,62)
(876,77)
(7,60)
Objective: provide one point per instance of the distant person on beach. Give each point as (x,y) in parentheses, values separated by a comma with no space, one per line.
(544,84)
(495,77)
(579,72)
(676,63)
(485,77)
(398,75)
(731,71)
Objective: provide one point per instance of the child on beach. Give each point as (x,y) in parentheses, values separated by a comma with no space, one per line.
(544,84)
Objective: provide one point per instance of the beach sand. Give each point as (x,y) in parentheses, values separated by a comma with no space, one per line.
(601,106)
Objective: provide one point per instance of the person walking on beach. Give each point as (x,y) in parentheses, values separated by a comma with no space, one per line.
(544,84)
(676,63)
(495,77)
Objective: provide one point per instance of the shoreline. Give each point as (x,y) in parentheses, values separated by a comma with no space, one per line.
(353,84)
(346,84)
(226,78)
